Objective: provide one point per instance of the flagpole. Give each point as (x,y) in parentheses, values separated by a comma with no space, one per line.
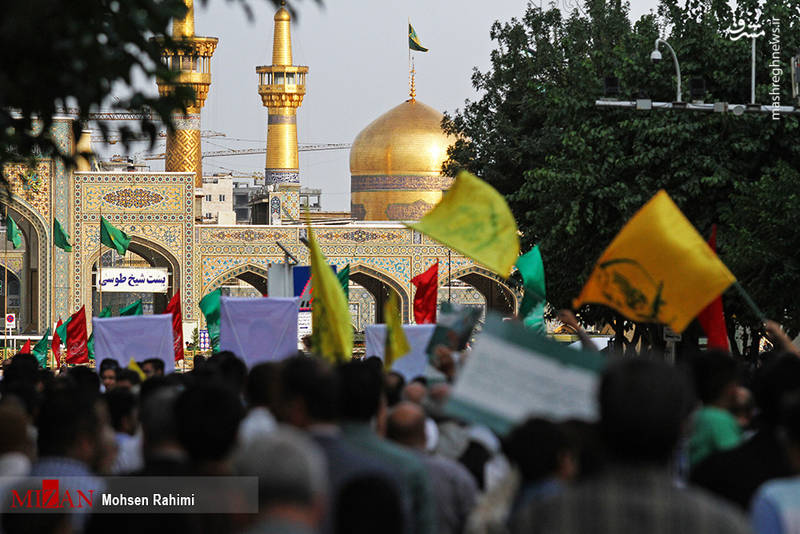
(750,302)
(100,265)
(449,279)
(5,289)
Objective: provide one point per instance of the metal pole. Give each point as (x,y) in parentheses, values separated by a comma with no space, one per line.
(677,66)
(100,266)
(449,279)
(753,74)
(5,288)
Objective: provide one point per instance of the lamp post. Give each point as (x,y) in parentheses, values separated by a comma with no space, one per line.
(655,56)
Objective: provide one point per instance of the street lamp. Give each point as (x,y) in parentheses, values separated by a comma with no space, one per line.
(655,57)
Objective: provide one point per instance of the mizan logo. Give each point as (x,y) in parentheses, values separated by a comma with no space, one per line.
(50,497)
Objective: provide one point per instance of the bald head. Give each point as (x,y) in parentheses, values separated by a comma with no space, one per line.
(406,425)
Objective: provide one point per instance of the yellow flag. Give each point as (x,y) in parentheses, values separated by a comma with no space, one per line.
(396,341)
(133,366)
(658,269)
(474,219)
(332,333)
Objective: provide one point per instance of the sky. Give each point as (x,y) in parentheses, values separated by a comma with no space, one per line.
(356,51)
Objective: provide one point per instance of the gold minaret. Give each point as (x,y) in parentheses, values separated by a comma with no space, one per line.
(282,87)
(192,61)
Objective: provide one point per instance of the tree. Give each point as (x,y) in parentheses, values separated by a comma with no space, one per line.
(60,55)
(574,173)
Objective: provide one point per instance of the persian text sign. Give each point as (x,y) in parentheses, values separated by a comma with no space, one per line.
(133,280)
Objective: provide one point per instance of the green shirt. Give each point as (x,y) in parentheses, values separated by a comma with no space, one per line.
(713,430)
(410,468)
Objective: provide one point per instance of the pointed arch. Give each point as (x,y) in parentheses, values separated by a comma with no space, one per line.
(255,275)
(35,275)
(378,284)
(499,295)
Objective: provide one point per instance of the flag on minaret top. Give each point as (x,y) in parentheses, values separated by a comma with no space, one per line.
(413,40)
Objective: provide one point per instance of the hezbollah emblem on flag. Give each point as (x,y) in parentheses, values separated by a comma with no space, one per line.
(657,269)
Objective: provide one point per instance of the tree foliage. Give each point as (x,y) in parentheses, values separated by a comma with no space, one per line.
(574,173)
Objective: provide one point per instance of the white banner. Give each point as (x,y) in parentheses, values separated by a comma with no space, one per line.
(133,280)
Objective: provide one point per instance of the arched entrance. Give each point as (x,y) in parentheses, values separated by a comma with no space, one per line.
(243,281)
(380,286)
(498,296)
(141,253)
(27,269)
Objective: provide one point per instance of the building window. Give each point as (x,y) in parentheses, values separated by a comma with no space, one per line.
(222,198)
(208,198)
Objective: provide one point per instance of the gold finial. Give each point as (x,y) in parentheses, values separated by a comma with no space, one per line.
(282,38)
(413,91)
(184,27)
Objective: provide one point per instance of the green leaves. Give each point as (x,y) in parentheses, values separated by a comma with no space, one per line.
(574,173)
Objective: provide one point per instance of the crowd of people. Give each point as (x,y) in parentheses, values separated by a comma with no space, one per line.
(352,448)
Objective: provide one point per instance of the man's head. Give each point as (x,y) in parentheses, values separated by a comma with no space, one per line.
(231,369)
(395,382)
(415,392)
(292,475)
(360,390)
(263,384)
(773,383)
(153,367)
(540,450)
(207,417)
(715,378)
(108,373)
(309,392)
(123,410)
(406,425)
(85,379)
(643,406)
(69,424)
(128,378)
(159,425)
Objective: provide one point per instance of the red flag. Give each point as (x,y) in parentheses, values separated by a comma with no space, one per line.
(55,344)
(26,348)
(712,318)
(427,285)
(77,350)
(174,307)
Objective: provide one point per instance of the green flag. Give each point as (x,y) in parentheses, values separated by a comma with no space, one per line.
(209,305)
(113,237)
(106,312)
(134,308)
(344,279)
(60,237)
(12,232)
(62,331)
(41,348)
(413,40)
(532,270)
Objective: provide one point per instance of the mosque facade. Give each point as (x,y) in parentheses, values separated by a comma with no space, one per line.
(395,176)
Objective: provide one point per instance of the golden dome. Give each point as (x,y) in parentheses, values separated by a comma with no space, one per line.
(396,164)
(407,139)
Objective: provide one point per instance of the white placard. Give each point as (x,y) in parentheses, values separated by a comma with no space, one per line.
(133,280)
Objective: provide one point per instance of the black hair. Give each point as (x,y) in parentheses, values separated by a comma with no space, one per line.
(262,384)
(773,382)
(712,371)
(67,413)
(536,447)
(643,404)
(315,382)
(85,379)
(231,369)
(394,383)
(125,374)
(108,363)
(208,416)
(368,504)
(157,364)
(121,403)
(360,388)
